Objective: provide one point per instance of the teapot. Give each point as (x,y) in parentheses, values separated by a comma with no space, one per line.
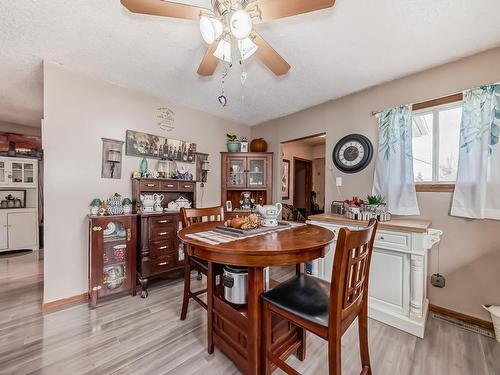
(179,203)
(158,199)
(269,213)
(148,202)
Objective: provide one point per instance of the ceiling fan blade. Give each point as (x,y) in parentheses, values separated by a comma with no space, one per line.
(209,62)
(164,8)
(270,57)
(267,10)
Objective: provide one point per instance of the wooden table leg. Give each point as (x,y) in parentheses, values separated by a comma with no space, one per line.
(301,351)
(210,305)
(255,289)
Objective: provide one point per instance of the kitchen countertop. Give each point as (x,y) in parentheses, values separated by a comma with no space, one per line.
(397,223)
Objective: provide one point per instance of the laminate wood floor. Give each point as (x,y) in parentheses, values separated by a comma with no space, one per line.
(130,335)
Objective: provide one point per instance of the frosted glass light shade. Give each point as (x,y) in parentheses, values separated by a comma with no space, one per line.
(210,28)
(247,48)
(241,24)
(223,51)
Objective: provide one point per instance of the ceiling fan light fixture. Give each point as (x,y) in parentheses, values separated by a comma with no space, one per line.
(241,24)
(223,51)
(210,28)
(247,48)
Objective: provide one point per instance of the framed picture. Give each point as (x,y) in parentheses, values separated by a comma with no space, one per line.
(229,206)
(244,146)
(285,180)
(157,147)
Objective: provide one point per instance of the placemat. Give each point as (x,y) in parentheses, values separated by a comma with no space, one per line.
(214,238)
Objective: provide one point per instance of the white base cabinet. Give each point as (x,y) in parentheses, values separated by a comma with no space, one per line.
(18,229)
(398,276)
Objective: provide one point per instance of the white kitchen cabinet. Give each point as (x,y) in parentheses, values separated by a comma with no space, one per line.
(398,274)
(19,226)
(3,231)
(18,229)
(17,172)
(22,229)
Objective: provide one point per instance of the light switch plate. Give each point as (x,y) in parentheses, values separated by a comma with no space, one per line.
(338,181)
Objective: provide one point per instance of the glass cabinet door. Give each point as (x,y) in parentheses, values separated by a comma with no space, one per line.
(236,172)
(2,172)
(28,173)
(17,173)
(115,272)
(256,172)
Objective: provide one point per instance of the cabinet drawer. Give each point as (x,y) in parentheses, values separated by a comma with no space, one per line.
(393,240)
(162,264)
(161,248)
(186,186)
(162,234)
(169,185)
(163,221)
(149,185)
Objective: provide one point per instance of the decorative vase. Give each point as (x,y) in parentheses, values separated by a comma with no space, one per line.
(144,167)
(94,210)
(233,146)
(127,209)
(258,145)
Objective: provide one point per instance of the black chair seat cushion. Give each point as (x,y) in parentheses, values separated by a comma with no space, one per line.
(305,296)
(199,264)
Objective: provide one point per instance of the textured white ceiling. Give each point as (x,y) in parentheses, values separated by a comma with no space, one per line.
(357,44)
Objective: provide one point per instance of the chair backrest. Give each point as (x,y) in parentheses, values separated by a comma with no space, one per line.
(351,271)
(190,216)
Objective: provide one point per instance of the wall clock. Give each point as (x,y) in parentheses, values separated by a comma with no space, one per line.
(352,153)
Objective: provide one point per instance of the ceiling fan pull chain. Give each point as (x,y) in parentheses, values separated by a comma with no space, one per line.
(222,98)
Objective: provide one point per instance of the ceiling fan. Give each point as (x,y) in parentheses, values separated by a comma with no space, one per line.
(228,28)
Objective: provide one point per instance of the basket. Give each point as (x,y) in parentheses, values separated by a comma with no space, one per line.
(495,316)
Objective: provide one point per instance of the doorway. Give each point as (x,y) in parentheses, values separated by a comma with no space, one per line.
(302,188)
(303,176)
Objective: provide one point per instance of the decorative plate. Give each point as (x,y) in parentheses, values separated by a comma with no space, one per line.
(352,153)
(110,229)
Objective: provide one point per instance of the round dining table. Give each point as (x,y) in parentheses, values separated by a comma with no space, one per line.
(236,330)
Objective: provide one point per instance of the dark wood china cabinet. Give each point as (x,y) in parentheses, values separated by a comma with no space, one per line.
(246,172)
(160,253)
(112,256)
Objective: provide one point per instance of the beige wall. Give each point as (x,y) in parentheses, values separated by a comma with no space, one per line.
(470,249)
(78,111)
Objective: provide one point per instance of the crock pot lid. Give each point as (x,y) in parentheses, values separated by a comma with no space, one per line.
(236,269)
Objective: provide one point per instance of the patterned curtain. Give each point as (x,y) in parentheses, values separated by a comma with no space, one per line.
(477,190)
(394,178)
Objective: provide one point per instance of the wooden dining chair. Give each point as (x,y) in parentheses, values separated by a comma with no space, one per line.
(326,309)
(190,216)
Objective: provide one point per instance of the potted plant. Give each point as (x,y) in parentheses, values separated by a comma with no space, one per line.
(94,206)
(127,206)
(375,203)
(233,145)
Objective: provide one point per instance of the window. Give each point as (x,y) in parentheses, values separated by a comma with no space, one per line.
(436,138)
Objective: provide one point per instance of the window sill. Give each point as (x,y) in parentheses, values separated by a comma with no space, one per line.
(435,188)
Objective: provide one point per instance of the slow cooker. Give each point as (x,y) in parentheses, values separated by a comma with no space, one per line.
(235,281)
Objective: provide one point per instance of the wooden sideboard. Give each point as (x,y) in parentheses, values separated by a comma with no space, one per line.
(398,275)
(159,251)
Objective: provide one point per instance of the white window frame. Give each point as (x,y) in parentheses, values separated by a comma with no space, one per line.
(435,140)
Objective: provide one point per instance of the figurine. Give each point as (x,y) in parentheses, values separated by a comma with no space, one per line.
(103,209)
(246,202)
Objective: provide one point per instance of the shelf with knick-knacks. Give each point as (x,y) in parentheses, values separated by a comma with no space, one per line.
(112,255)
(246,174)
